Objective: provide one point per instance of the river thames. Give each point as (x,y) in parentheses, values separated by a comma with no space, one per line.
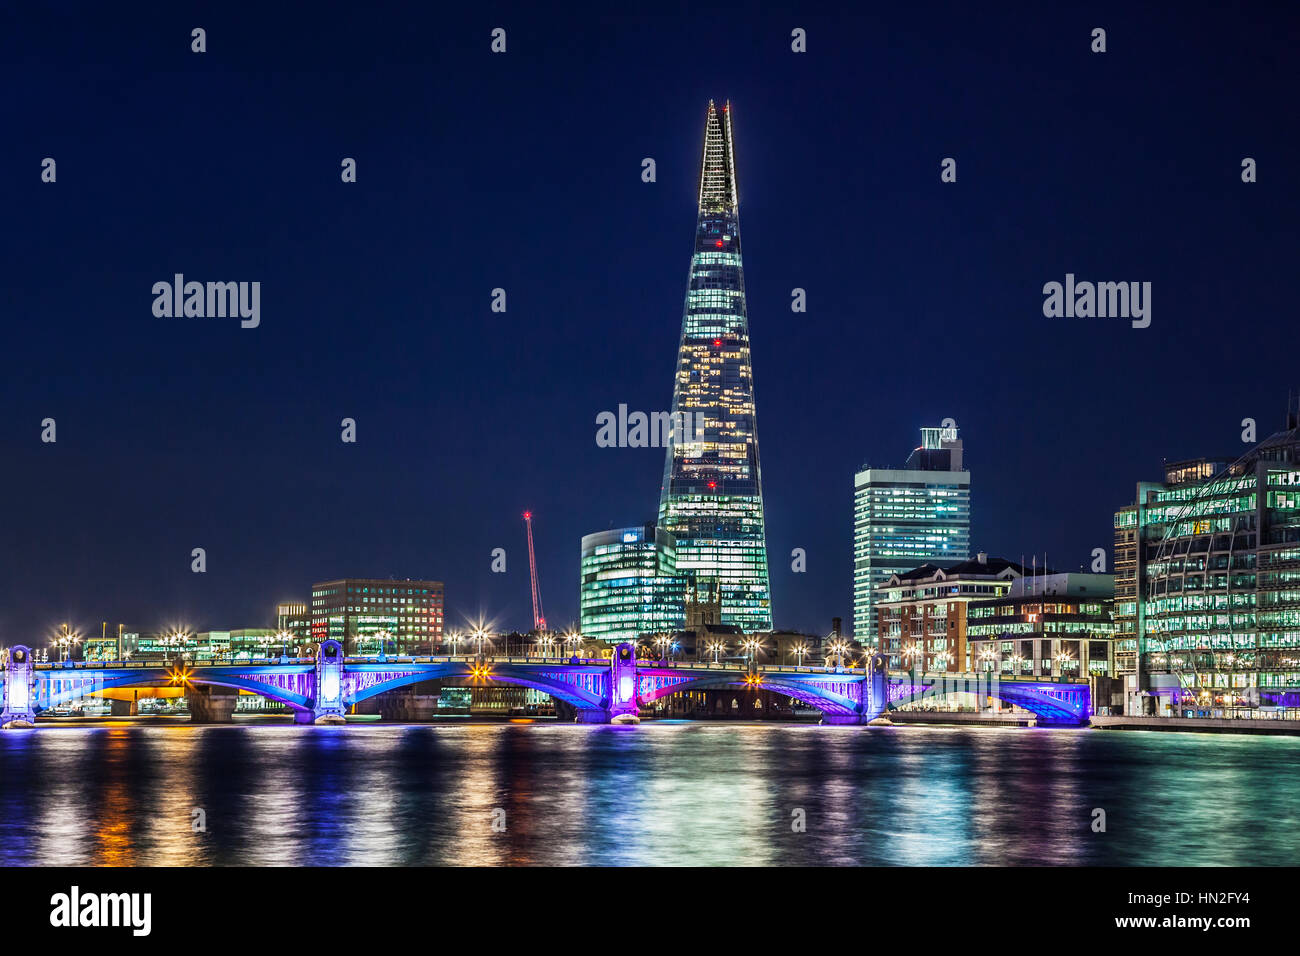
(662,793)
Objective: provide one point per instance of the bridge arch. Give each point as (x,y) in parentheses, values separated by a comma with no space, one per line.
(1054,703)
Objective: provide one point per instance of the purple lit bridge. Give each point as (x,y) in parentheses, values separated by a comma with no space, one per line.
(321,689)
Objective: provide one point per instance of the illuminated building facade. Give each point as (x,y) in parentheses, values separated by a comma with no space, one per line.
(368,615)
(630,585)
(906,517)
(922,613)
(1212,595)
(1046,625)
(711,499)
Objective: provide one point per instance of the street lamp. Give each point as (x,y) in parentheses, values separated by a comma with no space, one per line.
(454,638)
(838,649)
(799,651)
(1062,659)
(480,635)
(65,641)
(715,648)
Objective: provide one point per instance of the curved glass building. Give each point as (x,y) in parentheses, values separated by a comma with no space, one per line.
(630,585)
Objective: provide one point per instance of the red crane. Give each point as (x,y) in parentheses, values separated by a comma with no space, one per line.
(539,618)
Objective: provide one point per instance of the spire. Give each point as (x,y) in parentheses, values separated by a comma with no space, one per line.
(718,164)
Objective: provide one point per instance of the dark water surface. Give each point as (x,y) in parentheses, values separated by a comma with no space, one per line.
(658,793)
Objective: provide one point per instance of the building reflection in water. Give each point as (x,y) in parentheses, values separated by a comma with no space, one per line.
(705,793)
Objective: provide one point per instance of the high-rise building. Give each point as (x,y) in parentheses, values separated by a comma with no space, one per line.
(630,585)
(369,615)
(1208,570)
(906,517)
(711,499)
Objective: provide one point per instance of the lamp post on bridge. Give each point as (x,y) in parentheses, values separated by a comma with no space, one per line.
(715,648)
(1062,659)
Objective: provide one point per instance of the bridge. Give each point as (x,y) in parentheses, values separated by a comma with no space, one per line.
(322,688)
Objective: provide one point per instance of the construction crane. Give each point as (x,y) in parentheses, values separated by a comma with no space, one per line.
(539,617)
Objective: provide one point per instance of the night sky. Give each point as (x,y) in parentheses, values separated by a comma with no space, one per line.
(523,171)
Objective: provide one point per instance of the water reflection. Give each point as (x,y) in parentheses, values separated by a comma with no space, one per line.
(664,793)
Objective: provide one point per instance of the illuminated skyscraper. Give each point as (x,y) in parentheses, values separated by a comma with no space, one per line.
(711,500)
(906,517)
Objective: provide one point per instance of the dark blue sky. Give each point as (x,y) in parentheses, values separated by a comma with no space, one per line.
(522,171)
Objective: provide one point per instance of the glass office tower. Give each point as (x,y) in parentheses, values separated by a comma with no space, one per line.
(906,517)
(1216,584)
(711,499)
(630,586)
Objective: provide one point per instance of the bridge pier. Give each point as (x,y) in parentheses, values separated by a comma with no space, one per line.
(18,680)
(129,708)
(211,705)
(329,705)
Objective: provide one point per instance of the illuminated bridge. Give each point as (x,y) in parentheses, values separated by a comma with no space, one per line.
(321,689)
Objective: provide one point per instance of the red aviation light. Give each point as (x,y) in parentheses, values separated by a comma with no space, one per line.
(713,484)
(717,343)
(719,243)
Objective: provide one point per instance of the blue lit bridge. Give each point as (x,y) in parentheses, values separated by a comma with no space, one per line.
(321,689)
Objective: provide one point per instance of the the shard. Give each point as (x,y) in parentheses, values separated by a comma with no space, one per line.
(712,494)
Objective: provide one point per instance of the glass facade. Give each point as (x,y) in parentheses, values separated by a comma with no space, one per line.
(711,499)
(630,585)
(1049,625)
(906,517)
(1215,589)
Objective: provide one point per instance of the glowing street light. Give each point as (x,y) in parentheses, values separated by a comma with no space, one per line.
(838,651)
(753,645)
(480,635)
(799,651)
(1062,659)
(715,648)
(65,641)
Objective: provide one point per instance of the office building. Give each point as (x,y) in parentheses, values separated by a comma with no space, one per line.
(906,517)
(922,613)
(630,586)
(370,615)
(711,499)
